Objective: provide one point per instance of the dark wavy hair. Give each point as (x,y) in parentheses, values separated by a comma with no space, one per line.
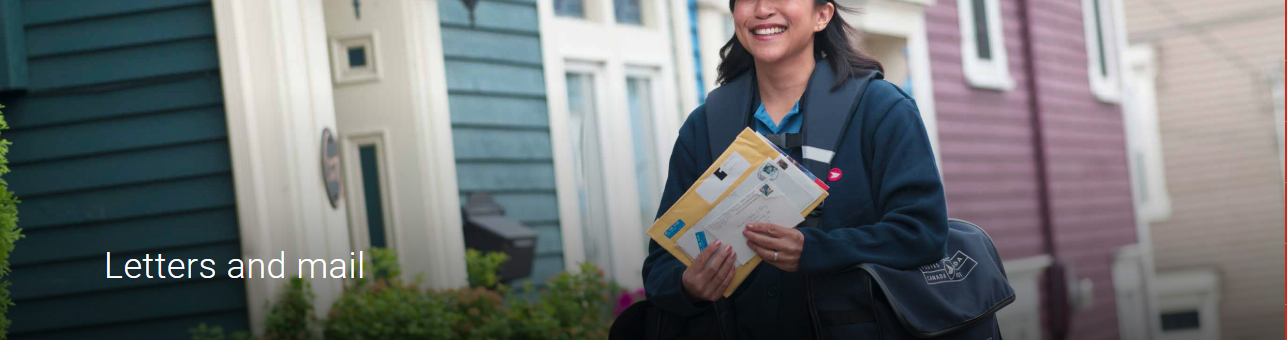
(836,44)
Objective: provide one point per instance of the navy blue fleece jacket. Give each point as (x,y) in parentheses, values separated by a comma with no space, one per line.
(888,208)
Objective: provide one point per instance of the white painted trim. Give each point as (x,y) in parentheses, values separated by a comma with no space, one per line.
(342,73)
(682,59)
(277,98)
(1130,293)
(1140,108)
(985,74)
(1143,232)
(564,174)
(1021,319)
(1105,88)
(245,148)
(433,129)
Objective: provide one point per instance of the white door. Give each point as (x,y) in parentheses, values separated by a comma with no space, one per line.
(389,92)
(614,114)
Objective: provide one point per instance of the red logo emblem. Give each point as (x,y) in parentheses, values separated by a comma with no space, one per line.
(835,174)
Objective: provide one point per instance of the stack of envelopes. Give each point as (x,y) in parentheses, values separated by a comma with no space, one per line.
(752,181)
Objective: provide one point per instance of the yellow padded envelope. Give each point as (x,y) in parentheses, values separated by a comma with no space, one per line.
(695,204)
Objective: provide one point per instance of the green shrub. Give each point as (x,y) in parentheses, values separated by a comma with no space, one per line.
(9,231)
(570,306)
(484,268)
(290,317)
(203,332)
(389,309)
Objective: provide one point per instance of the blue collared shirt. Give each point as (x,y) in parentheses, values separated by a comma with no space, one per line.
(790,123)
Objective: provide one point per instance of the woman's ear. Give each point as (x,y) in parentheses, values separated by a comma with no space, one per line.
(824,14)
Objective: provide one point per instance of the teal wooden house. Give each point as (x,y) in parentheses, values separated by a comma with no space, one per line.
(317,129)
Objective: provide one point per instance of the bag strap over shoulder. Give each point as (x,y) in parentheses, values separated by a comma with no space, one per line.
(826,113)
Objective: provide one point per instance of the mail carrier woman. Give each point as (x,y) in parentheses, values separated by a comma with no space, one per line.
(792,72)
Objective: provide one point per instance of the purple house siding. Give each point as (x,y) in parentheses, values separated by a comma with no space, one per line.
(985,138)
(989,147)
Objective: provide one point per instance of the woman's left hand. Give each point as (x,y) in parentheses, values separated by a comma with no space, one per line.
(766,239)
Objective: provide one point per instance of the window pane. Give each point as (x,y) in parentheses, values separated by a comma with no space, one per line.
(588,170)
(982,42)
(357,56)
(628,12)
(1099,39)
(1178,321)
(570,8)
(641,130)
(372,195)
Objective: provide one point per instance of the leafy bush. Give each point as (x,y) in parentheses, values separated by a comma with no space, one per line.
(483,268)
(570,306)
(290,317)
(389,309)
(9,231)
(203,332)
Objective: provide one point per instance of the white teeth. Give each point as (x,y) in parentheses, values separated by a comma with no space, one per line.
(768,31)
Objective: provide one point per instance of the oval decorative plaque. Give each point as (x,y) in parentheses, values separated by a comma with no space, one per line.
(331,168)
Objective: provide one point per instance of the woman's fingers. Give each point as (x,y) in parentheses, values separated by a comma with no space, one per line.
(713,268)
(700,262)
(765,253)
(728,279)
(766,241)
(726,262)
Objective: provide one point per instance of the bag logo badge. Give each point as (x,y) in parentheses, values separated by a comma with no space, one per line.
(953,268)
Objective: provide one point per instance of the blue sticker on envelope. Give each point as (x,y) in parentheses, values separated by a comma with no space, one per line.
(701,240)
(674,228)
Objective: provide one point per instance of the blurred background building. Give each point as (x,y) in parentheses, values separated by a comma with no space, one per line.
(197,129)
(1207,80)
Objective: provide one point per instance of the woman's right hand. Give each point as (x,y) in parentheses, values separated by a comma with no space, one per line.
(710,274)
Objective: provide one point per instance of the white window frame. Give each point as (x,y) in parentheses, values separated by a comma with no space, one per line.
(604,12)
(359,234)
(1106,88)
(655,112)
(991,74)
(618,48)
(1144,134)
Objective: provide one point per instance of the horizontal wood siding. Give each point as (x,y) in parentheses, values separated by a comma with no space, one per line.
(989,151)
(1087,171)
(985,137)
(120,146)
(500,123)
(1220,152)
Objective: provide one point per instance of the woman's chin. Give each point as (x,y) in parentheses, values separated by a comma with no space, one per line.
(768,55)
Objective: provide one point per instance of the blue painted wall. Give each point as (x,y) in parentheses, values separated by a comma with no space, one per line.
(119,145)
(500,124)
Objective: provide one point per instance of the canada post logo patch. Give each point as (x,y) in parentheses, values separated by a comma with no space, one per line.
(950,269)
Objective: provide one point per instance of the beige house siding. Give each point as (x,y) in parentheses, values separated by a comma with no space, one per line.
(1220,145)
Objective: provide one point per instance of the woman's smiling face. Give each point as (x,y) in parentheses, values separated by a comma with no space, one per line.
(774,29)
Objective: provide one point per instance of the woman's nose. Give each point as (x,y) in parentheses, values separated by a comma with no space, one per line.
(764,9)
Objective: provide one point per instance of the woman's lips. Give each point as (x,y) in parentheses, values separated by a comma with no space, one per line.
(767,31)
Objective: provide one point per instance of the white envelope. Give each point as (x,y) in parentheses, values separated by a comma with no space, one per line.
(758,199)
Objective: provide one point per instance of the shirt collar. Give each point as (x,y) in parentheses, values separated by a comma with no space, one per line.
(763,117)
